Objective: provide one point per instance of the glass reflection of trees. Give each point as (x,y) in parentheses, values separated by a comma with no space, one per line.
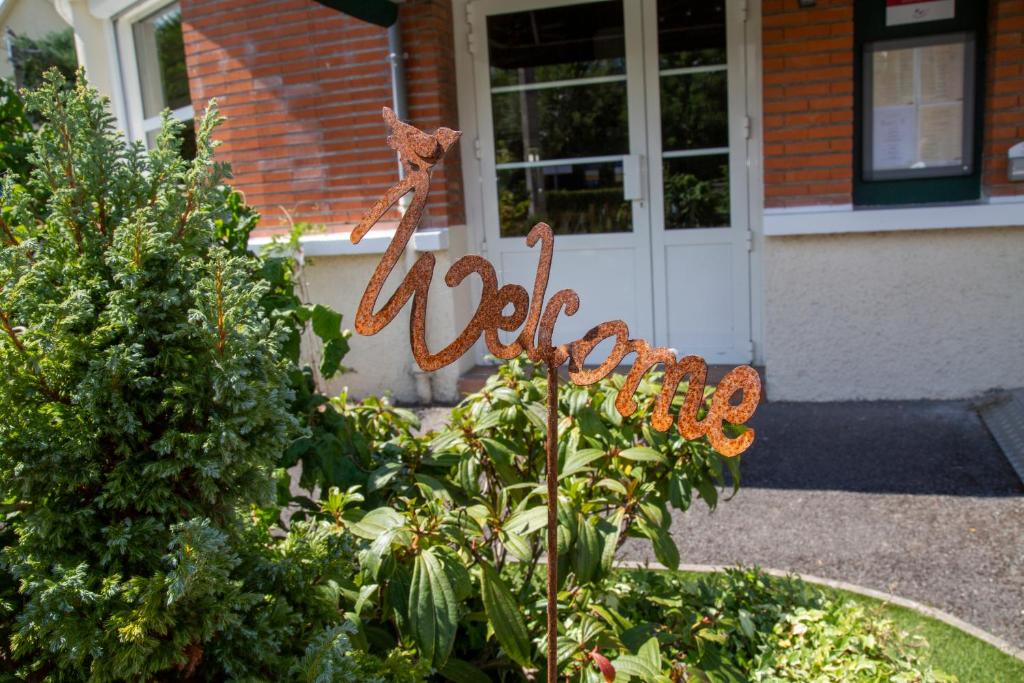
(567,121)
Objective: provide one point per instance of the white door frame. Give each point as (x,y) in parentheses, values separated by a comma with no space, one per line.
(469,44)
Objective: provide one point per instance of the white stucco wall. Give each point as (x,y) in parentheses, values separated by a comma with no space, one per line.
(383,363)
(33,18)
(914,314)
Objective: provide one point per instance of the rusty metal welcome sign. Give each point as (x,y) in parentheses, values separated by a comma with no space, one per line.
(535,318)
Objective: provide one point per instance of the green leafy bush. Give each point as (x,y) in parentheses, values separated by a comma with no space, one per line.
(743,625)
(145,401)
(453,523)
(453,531)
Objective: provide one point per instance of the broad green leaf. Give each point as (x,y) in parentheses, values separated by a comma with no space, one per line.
(610,530)
(594,429)
(578,398)
(458,671)
(433,611)
(635,667)
(610,412)
(679,491)
(462,582)
(527,521)
(665,550)
(371,558)
(326,323)
(650,653)
(619,623)
(656,513)
(334,352)
(488,420)
(504,395)
(587,559)
(734,472)
(504,616)
(642,454)
(365,593)
(708,492)
(445,440)
(376,522)
(579,460)
(503,458)
(379,478)
(518,546)
(613,486)
(434,486)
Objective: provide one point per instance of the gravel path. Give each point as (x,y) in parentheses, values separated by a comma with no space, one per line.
(913,498)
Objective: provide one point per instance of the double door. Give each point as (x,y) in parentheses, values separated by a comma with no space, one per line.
(622,124)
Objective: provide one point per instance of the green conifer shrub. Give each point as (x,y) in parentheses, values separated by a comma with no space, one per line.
(144,404)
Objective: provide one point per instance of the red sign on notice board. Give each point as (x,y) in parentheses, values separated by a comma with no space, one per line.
(916,11)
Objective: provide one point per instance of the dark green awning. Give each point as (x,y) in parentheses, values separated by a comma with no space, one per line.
(379,12)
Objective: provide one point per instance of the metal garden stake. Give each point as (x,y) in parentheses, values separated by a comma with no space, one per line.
(419,152)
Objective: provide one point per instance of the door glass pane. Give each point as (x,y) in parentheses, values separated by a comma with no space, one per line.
(560,123)
(690,33)
(696,191)
(160,54)
(558,94)
(574,199)
(557,43)
(694,113)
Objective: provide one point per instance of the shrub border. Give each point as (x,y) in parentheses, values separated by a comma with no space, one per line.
(882,596)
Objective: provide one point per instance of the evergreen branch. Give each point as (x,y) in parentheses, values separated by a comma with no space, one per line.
(221,332)
(5,322)
(44,386)
(8,233)
(186,214)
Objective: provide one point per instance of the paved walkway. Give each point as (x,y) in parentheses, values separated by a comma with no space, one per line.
(913,498)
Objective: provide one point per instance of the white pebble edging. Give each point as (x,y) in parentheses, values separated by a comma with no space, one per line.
(927,611)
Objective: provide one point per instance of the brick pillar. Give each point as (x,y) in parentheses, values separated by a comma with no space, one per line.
(302,88)
(808,103)
(1004,95)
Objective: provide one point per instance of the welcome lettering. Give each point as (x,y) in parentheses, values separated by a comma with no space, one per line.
(536,315)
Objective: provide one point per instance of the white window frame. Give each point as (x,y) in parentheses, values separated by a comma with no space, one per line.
(138,124)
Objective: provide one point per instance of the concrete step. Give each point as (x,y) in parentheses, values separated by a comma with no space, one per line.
(474,379)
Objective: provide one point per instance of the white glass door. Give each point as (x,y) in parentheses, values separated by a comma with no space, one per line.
(562,133)
(697,132)
(621,124)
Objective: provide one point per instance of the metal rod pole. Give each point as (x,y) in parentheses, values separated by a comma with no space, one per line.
(552,481)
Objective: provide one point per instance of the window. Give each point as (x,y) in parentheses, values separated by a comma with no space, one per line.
(155,77)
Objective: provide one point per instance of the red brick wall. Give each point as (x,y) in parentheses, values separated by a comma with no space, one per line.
(1004,99)
(808,100)
(808,103)
(302,88)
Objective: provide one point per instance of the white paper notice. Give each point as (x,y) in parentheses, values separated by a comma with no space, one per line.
(942,73)
(894,138)
(940,129)
(893,78)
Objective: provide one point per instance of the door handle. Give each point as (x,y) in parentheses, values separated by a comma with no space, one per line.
(632,183)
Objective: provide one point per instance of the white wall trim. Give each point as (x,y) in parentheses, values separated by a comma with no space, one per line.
(375,242)
(823,220)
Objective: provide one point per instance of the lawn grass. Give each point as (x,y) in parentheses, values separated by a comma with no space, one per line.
(950,649)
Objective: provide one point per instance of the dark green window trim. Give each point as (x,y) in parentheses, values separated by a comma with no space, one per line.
(869,26)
